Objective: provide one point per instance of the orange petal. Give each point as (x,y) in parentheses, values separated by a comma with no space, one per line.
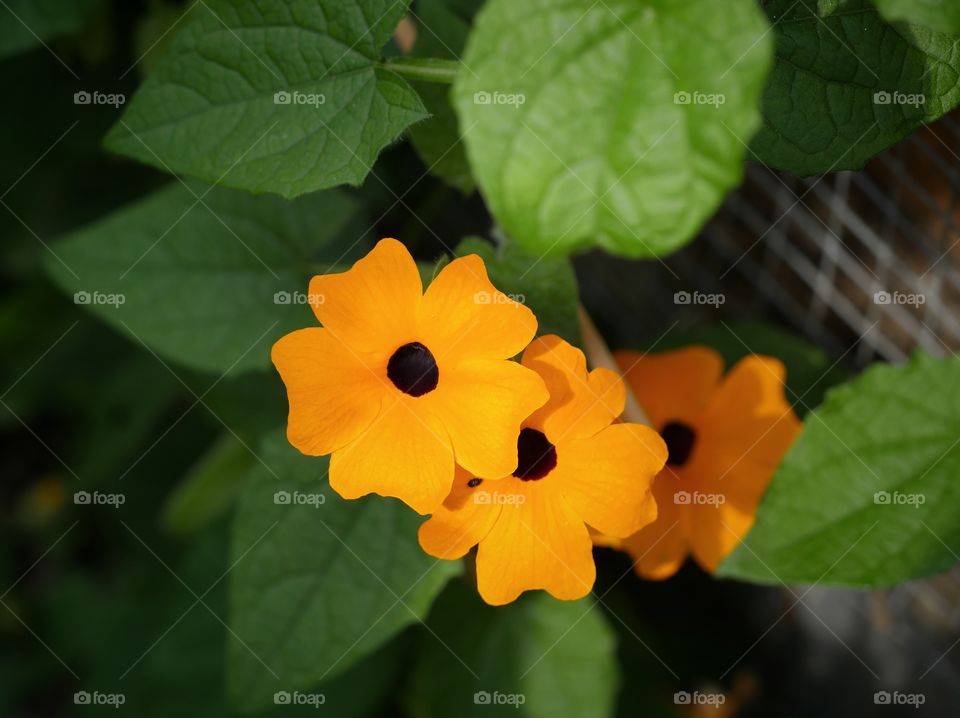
(463,314)
(580,403)
(373,306)
(537,542)
(463,520)
(607,478)
(482,404)
(404,453)
(334,394)
(675,385)
(717,529)
(659,549)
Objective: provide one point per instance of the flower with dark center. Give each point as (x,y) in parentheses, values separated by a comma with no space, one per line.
(680,439)
(413,370)
(536,456)
(575,468)
(708,495)
(366,387)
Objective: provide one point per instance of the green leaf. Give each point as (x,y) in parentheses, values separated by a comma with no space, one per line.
(810,371)
(319,582)
(547,285)
(847,84)
(940,15)
(618,124)
(535,657)
(207,282)
(207,492)
(284,97)
(442,32)
(30,23)
(867,495)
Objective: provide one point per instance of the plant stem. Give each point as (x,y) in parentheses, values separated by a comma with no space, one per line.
(430,69)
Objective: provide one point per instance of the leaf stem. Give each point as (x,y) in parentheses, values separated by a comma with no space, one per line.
(430,69)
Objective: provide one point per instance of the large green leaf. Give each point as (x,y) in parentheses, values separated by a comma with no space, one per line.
(319,582)
(847,84)
(211,282)
(620,123)
(28,23)
(535,657)
(547,285)
(867,495)
(284,97)
(941,15)
(442,32)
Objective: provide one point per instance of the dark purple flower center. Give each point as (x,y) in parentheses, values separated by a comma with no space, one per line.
(413,370)
(536,456)
(679,439)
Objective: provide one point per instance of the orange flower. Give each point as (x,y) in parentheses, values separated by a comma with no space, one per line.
(400,383)
(576,467)
(726,436)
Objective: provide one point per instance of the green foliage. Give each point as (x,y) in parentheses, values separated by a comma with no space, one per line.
(547,285)
(624,129)
(940,15)
(28,23)
(317,586)
(211,108)
(443,28)
(208,277)
(207,492)
(867,495)
(557,657)
(847,84)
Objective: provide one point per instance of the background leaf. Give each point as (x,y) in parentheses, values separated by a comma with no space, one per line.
(599,147)
(893,430)
(29,23)
(443,26)
(940,15)
(209,108)
(557,655)
(547,285)
(200,278)
(821,108)
(317,587)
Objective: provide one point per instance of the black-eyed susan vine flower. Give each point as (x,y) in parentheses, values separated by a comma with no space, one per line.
(575,468)
(399,384)
(725,435)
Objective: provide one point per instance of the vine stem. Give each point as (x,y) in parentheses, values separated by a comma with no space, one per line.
(429,69)
(599,355)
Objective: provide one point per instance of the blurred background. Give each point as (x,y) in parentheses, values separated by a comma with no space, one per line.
(131,598)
